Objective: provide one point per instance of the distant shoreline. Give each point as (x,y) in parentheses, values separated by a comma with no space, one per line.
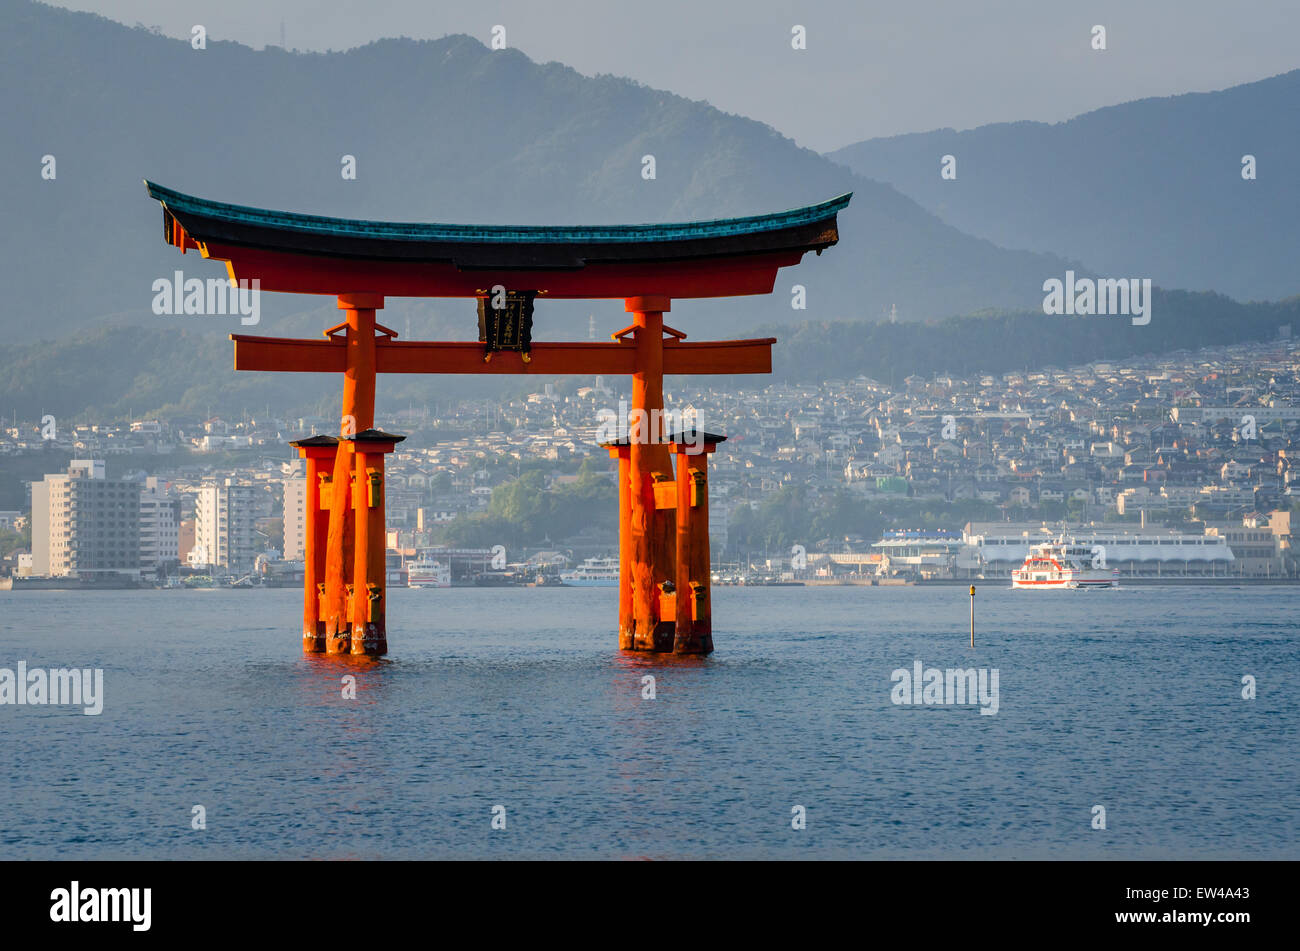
(49,585)
(1131,582)
(1006,583)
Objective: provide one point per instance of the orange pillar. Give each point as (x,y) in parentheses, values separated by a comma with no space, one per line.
(650,530)
(694,634)
(684,626)
(369,575)
(358,415)
(319,452)
(699,563)
(324,490)
(626,625)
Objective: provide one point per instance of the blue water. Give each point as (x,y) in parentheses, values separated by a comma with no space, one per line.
(1129,699)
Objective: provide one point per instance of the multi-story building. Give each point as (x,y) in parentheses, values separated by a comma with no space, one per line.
(84,524)
(1215,414)
(295,516)
(1134,550)
(225,514)
(1256,548)
(160,518)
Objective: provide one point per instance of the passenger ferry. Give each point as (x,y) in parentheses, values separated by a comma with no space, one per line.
(593,573)
(1062,564)
(427,572)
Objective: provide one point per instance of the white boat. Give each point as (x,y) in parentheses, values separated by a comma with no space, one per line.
(428,572)
(1063,564)
(593,573)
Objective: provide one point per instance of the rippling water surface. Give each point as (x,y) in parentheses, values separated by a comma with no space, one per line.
(1130,699)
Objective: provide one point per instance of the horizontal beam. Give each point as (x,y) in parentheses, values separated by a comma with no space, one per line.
(286,355)
(545,359)
(718,356)
(310,274)
(281,355)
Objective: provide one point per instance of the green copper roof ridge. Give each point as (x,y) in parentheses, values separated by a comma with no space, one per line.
(543,234)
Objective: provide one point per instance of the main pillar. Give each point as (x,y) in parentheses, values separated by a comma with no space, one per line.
(358,415)
(319,453)
(650,530)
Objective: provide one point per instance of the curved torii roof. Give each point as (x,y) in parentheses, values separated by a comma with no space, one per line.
(284,250)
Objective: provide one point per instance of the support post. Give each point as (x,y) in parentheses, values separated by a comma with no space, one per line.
(701,566)
(324,489)
(972,615)
(694,627)
(369,634)
(683,635)
(319,453)
(626,625)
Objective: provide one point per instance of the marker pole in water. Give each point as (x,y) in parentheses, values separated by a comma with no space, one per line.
(972,615)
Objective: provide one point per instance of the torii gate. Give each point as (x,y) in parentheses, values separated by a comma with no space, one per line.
(663,517)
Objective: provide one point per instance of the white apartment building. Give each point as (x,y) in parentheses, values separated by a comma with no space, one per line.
(225,514)
(84,524)
(160,525)
(1234,414)
(295,518)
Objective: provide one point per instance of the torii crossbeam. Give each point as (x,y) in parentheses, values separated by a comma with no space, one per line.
(663,517)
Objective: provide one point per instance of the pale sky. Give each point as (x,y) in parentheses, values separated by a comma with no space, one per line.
(869,69)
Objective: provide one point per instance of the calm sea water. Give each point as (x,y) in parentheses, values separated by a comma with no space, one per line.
(1129,699)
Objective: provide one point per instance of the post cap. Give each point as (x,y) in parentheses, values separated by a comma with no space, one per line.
(374,436)
(697,436)
(314,442)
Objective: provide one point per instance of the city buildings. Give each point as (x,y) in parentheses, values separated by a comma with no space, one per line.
(1184,464)
(1135,551)
(295,515)
(84,524)
(225,538)
(160,516)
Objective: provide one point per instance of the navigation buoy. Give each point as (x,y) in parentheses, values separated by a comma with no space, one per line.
(972,615)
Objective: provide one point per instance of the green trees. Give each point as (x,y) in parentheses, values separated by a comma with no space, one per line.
(789,517)
(525,511)
(11,541)
(440,485)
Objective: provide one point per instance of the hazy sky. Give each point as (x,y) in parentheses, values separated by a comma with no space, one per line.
(869,68)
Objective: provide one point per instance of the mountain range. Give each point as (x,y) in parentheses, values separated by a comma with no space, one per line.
(444,130)
(448,130)
(1151,188)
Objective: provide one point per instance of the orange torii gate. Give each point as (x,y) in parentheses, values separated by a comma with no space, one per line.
(663,513)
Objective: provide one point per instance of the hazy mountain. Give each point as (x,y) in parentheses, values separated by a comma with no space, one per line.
(441,131)
(1002,342)
(1151,188)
